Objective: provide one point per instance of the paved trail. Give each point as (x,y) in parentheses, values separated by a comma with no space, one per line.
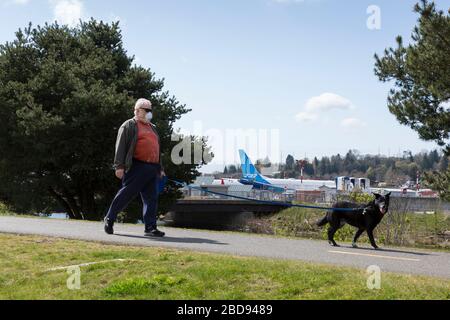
(403,260)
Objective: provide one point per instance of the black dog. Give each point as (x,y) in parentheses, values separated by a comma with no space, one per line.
(365,218)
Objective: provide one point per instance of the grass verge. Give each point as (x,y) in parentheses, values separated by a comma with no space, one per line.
(155,273)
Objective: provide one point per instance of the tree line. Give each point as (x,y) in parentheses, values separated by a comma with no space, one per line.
(394,170)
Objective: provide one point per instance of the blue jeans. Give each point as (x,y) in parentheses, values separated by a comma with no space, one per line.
(143,179)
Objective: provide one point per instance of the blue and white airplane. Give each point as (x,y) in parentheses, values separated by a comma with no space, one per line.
(251,176)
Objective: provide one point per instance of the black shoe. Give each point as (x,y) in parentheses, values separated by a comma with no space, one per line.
(109,226)
(154,233)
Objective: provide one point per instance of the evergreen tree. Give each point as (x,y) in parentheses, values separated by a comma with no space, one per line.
(408,155)
(64,92)
(309,170)
(290,162)
(316,165)
(421,93)
(349,161)
(232,169)
(434,158)
(324,166)
(443,163)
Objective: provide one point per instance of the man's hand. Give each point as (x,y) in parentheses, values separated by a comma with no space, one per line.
(162,174)
(120,173)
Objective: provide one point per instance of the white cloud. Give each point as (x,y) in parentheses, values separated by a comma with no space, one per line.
(327,101)
(64,11)
(323,103)
(67,11)
(353,123)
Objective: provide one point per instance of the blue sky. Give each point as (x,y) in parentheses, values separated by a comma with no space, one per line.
(304,68)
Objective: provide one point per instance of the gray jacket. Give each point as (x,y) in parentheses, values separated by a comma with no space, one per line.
(126,144)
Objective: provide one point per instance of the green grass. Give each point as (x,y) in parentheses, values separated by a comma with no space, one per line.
(156,273)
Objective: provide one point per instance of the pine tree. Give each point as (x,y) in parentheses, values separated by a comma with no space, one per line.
(421,75)
(290,162)
(64,92)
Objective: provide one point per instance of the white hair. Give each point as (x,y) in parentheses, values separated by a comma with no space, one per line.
(143,103)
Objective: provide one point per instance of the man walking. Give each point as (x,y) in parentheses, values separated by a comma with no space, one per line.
(138,164)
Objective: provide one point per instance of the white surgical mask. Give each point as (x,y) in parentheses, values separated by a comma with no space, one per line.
(149,116)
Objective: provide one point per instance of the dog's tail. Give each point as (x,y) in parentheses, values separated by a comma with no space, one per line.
(322,221)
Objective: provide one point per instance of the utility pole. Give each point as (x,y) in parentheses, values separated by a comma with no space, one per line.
(301,164)
(417,181)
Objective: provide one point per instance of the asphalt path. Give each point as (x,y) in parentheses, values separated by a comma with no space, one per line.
(400,260)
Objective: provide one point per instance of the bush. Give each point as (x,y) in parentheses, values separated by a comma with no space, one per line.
(4,210)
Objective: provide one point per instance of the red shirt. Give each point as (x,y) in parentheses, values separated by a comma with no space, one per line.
(147,146)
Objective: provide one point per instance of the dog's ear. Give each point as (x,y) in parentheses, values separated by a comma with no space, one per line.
(388,195)
(377,195)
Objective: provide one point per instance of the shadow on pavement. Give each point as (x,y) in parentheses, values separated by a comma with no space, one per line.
(391,250)
(172,239)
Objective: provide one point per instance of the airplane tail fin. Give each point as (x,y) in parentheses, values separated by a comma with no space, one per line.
(250,175)
(248,169)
